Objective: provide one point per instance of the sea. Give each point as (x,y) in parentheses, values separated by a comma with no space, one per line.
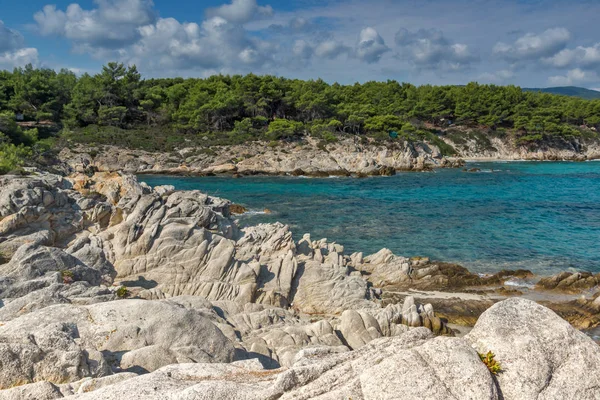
(541,216)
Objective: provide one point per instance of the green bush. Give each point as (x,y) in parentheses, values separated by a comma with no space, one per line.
(123,292)
(284,128)
(12,157)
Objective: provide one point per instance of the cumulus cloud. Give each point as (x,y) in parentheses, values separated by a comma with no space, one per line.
(112,25)
(240,11)
(429,49)
(13,52)
(370,46)
(584,57)
(573,77)
(215,44)
(19,57)
(131,31)
(331,49)
(534,46)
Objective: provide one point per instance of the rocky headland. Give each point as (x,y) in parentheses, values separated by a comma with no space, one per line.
(110,289)
(349,156)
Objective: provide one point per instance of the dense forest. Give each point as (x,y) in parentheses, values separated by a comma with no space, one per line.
(118,106)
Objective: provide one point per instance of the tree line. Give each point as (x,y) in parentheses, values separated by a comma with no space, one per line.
(250,107)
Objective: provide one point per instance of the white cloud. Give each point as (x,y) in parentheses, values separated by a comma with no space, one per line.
(215,44)
(324,39)
(573,77)
(112,25)
(130,31)
(534,47)
(370,46)
(13,52)
(18,58)
(429,49)
(585,57)
(240,11)
(330,49)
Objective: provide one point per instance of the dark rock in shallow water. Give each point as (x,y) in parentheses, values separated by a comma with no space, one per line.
(237,209)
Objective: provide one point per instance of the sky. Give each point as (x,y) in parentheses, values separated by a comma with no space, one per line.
(530,43)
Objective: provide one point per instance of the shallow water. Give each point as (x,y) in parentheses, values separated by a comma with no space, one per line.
(543,216)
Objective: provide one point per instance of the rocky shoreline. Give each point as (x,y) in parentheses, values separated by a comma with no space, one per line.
(111,289)
(308,157)
(350,156)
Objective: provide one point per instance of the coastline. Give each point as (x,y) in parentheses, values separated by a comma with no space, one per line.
(123,288)
(310,157)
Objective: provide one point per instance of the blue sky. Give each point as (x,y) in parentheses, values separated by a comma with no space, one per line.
(528,43)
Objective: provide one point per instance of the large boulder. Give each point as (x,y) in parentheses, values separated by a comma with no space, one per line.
(541,355)
(64,343)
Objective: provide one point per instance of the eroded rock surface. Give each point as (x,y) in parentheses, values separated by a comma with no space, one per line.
(110,288)
(541,357)
(308,157)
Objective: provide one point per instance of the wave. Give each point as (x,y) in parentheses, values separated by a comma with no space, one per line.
(522,283)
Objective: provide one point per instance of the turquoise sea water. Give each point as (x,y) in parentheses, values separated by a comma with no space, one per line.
(543,216)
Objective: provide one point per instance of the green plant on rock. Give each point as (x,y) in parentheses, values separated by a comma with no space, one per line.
(123,292)
(490,362)
(67,276)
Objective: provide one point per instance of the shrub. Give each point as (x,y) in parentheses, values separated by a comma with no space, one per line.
(67,276)
(284,128)
(490,362)
(123,292)
(12,157)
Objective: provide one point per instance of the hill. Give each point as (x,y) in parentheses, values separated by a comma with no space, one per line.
(568,91)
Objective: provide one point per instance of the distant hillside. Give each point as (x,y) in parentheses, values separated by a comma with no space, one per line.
(569,91)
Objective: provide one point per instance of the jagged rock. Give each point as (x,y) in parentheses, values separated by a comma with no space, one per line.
(541,355)
(569,282)
(385,269)
(359,328)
